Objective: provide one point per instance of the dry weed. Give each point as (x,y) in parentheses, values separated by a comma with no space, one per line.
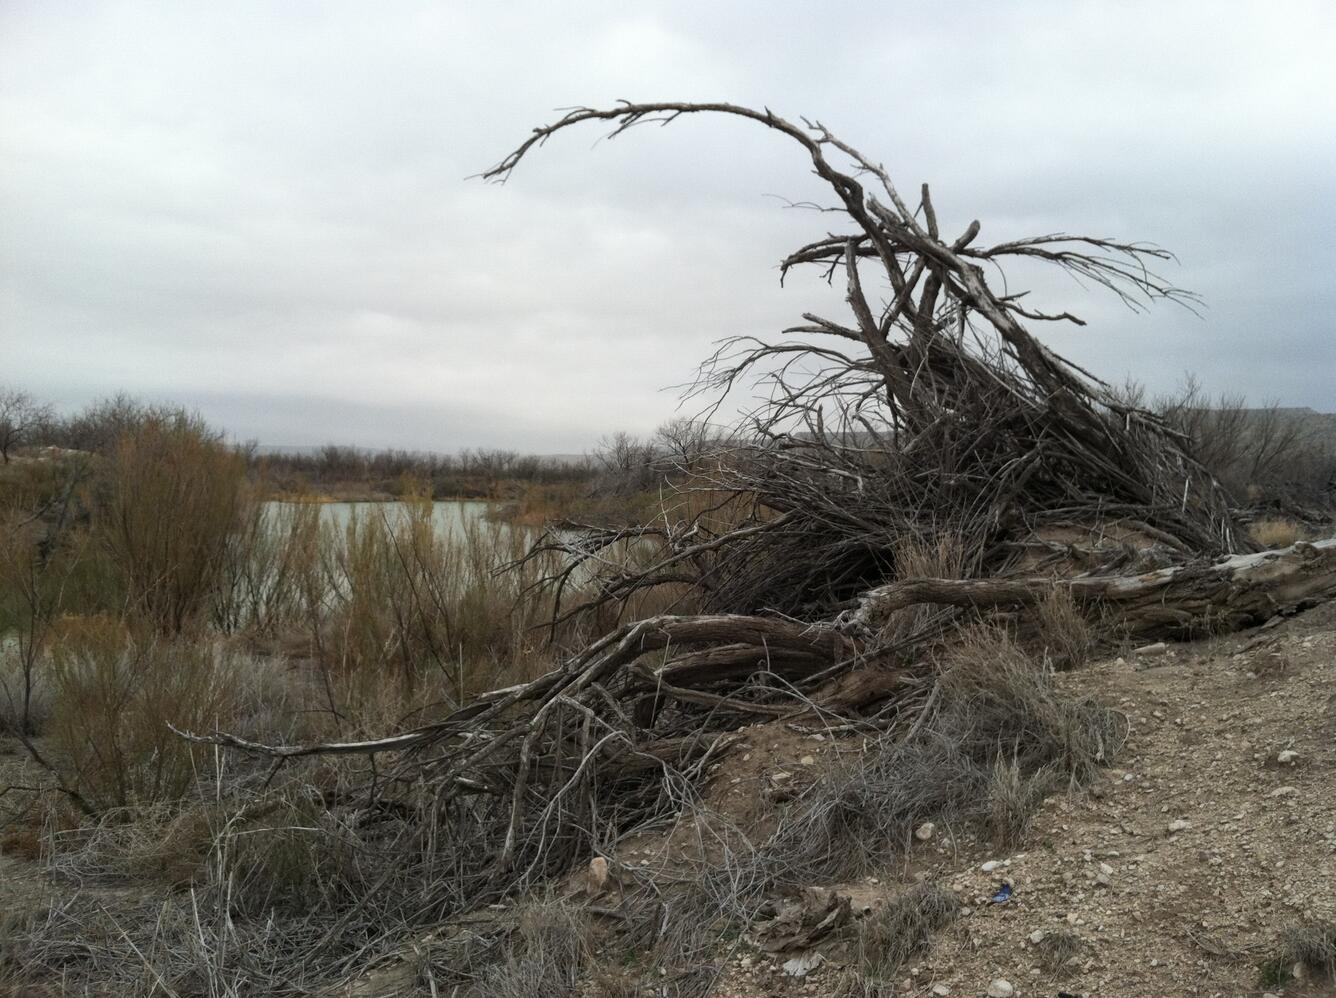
(893,934)
(1276,533)
(1064,632)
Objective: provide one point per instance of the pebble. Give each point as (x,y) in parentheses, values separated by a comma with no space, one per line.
(1284,792)
(1179,825)
(1037,936)
(941,990)
(1146,651)
(807,760)
(598,874)
(1000,988)
(1287,757)
(990,866)
(925,831)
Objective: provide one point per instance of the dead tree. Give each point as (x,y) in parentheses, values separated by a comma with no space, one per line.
(932,410)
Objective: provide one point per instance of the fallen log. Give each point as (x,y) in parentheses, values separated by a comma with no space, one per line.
(1181,601)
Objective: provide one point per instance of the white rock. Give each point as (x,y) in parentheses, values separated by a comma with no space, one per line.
(807,760)
(1284,792)
(1037,936)
(802,965)
(1146,651)
(941,990)
(1179,825)
(1000,988)
(1287,757)
(925,831)
(990,866)
(1106,869)
(598,874)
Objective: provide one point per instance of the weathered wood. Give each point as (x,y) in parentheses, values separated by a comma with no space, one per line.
(1180,601)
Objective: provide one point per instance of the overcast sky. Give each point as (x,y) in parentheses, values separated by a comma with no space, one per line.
(262,210)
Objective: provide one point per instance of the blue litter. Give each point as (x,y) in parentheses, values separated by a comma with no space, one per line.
(1003,894)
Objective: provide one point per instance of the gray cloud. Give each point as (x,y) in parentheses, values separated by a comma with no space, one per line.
(263,210)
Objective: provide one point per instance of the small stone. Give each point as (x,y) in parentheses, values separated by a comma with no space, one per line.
(1037,936)
(941,990)
(1288,757)
(925,831)
(801,966)
(1179,825)
(598,875)
(1000,988)
(807,760)
(1106,869)
(990,866)
(1284,792)
(780,777)
(1149,651)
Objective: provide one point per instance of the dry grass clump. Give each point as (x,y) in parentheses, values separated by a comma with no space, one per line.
(291,856)
(998,701)
(937,556)
(1310,946)
(1013,800)
(891,935)
(546,949)
(1064,632)
(1276,533)
(1057,948)
(862,812)
(545,958)
(995,739)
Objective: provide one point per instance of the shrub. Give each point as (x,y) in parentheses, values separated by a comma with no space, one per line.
(409,598)
(114,696)
(25,695)
(291,855)
(174,499)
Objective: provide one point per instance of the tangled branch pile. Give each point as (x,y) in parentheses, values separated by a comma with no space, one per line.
(932,413)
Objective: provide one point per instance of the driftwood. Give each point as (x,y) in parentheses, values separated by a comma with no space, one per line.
(1180,601)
